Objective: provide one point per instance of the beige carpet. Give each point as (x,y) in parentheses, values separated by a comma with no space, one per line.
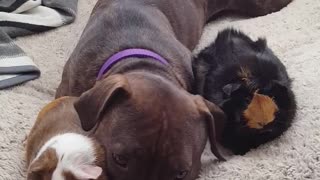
(294,35)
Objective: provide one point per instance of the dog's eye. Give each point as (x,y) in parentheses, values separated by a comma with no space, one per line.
(120,160)
(181,175)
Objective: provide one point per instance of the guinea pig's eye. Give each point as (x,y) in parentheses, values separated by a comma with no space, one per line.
(181,175)
(120,160)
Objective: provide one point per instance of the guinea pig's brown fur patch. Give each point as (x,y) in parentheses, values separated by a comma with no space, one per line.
(260,112)
(68,175)
(50,106)
(46,163)
(35,137)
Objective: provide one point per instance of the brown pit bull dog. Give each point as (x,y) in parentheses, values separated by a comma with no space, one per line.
(132,71)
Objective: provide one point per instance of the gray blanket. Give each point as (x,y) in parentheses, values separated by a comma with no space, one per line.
(24,17)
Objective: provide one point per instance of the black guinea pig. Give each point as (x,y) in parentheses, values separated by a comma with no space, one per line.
(250,84)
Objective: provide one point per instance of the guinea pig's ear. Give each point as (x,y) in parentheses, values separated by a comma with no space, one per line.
(91,104)
(43,164)
(215,120)
(81,170)
(87,172)
(230,88)
(260,44)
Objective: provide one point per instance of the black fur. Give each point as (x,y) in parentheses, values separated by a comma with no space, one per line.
(217,70)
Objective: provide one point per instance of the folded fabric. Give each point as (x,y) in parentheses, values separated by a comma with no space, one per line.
(24,17)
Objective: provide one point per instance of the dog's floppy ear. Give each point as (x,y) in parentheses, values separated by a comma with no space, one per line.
(215,119)
(91,104)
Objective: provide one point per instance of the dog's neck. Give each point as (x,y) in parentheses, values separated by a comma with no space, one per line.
(132,52)
(148,67)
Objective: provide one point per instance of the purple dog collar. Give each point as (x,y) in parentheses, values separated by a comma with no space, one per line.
(139,53)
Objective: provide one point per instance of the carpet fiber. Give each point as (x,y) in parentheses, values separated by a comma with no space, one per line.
(293,34)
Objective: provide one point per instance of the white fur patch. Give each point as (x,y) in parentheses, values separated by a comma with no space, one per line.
(72,150)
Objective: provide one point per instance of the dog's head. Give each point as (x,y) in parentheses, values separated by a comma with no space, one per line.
(152,128)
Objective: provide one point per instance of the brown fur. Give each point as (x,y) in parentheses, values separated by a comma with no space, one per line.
(43,168)
(141,105)
(127,110)
(68,175)
(55,118)
(261,111)
(47,125)
(49,107)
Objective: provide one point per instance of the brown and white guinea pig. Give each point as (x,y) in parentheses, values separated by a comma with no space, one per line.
(58,149)
(250,84)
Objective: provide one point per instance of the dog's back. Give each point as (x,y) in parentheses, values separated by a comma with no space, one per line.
(156,25)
